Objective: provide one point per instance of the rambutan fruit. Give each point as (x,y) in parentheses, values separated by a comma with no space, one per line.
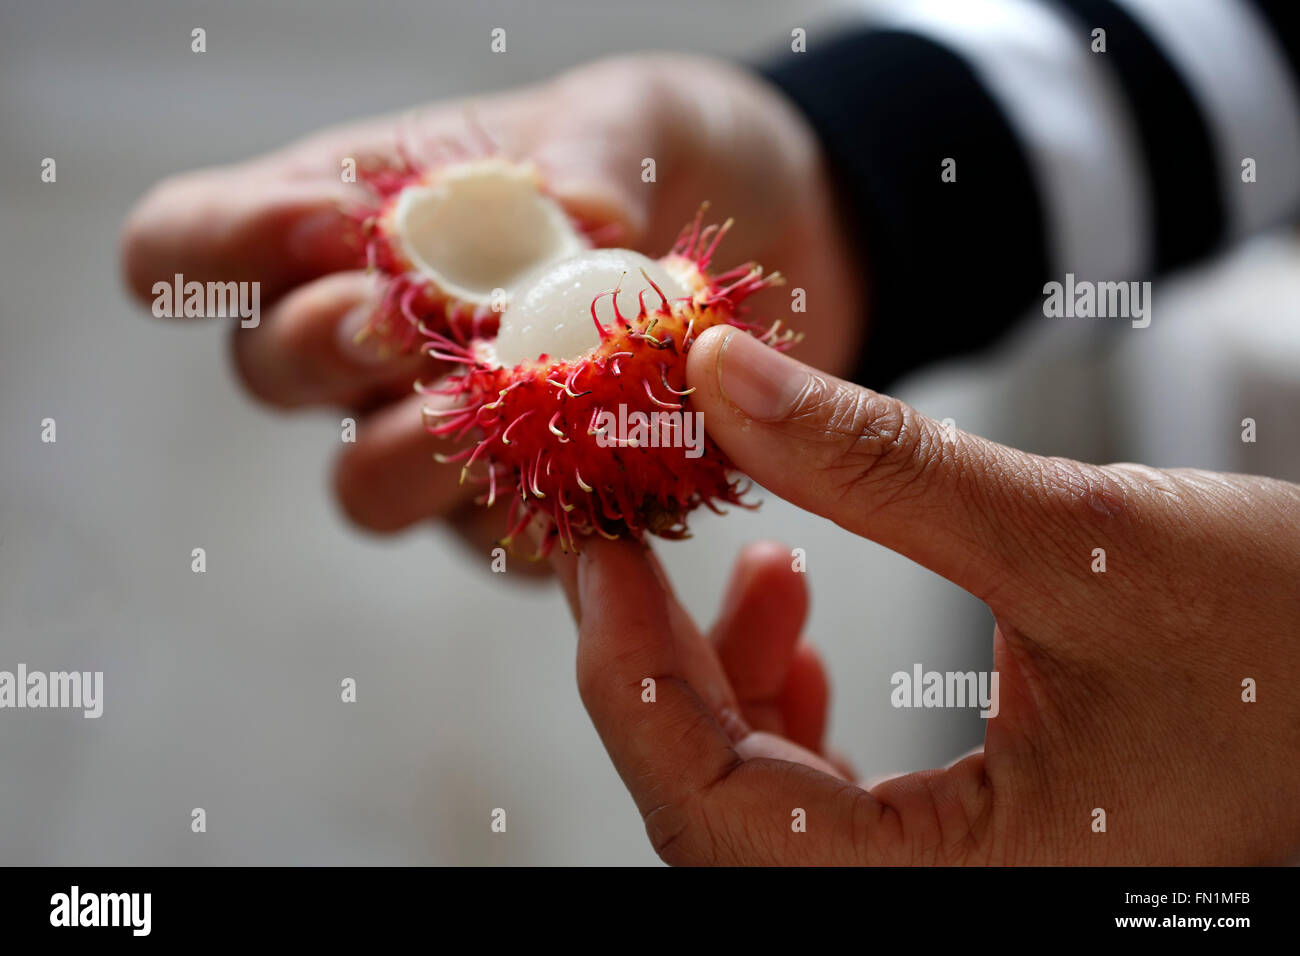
(579,409)
(454,239)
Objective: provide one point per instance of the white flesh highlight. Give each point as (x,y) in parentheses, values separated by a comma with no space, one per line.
(551,311)
(481,227)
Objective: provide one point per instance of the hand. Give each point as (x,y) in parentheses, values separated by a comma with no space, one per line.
(1120,690)
(714,131)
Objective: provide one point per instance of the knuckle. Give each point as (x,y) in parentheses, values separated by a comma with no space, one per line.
(1085,496)
(592,675)
(875,830)
(876,439)
(627,77)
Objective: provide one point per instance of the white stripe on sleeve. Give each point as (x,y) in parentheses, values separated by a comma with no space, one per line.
(1069,114)
(1239,77)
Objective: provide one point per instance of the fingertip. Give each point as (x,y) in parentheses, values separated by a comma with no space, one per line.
(353,482)
(137,241)
(766,553)
(774,564)
(625,632)
(607,570)
(765,576)
(388,479)
(761,620)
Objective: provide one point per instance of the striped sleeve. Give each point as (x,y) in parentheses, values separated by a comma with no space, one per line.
(985,147)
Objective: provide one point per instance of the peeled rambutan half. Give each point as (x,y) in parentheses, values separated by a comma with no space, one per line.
(454,239)
(579,411)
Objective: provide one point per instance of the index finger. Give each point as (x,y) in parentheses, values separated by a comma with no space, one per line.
(240,224)
(702,799)
(664,739)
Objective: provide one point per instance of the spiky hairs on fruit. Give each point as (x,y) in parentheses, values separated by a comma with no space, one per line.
(538,403)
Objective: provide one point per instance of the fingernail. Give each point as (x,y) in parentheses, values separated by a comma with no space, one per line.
(357,342)
(759,381)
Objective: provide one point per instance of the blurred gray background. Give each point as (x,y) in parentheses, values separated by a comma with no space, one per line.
(222,689)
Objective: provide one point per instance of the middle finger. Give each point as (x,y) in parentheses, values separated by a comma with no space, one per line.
(311,348)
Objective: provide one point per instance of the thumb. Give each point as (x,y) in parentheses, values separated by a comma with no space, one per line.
(983,515)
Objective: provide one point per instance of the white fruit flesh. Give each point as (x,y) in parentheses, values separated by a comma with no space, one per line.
(550,312)
(481,227)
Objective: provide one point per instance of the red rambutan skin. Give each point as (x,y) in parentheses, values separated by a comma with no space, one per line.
(536,425)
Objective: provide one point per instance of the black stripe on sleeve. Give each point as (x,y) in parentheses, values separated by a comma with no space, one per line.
(1182,173)
(1283,16)
(951,265)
